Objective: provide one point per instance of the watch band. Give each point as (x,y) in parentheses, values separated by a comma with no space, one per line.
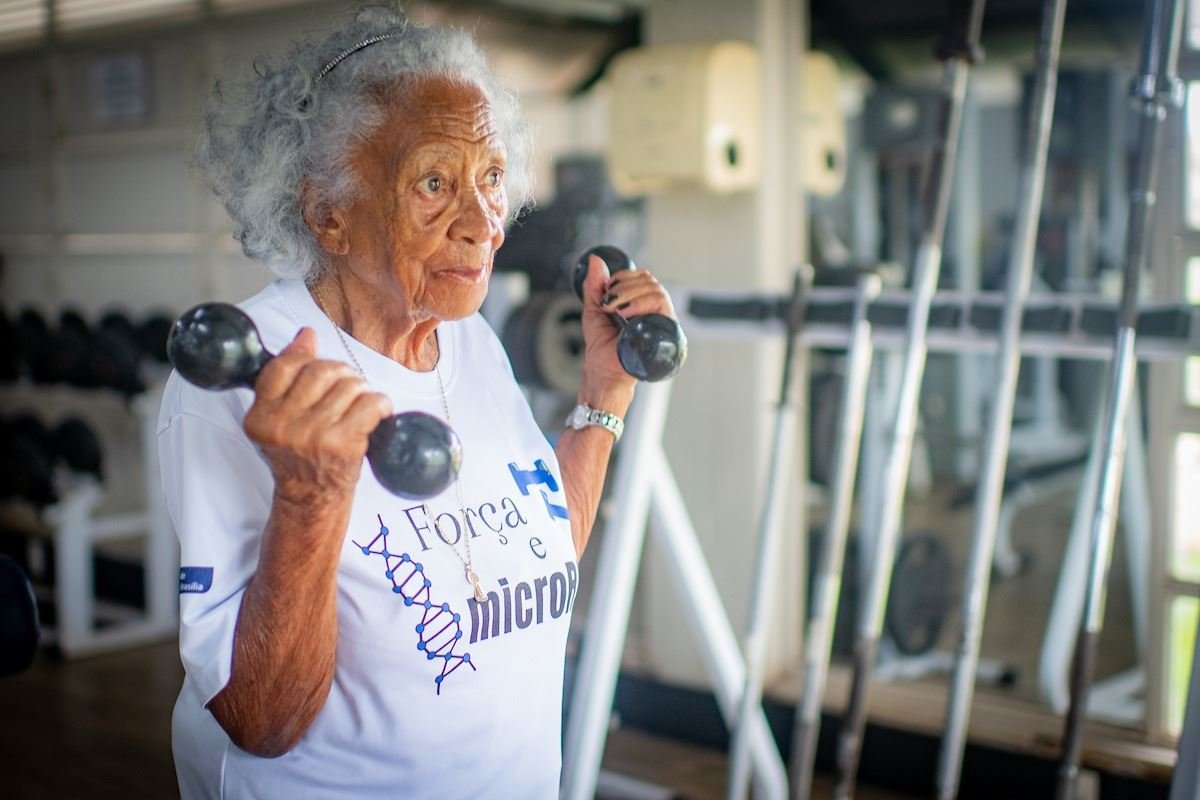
(584,415)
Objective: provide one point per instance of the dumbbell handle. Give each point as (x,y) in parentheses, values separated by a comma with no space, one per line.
(216,346)
(651,347)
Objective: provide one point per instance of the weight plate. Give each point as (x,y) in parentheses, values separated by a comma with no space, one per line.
(920,594)
(544,340)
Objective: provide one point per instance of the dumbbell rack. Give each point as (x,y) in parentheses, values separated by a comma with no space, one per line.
(76,524)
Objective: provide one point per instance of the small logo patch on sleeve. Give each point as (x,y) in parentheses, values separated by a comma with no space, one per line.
(195,580)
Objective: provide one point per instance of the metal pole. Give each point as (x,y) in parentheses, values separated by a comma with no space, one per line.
(827,575)
(1008,365)
(959,50)
(1155,89)
(612,597)
(770,532)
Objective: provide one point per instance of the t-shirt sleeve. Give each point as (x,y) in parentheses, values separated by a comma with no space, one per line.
(218,493)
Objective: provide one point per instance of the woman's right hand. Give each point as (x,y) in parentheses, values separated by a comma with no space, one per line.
(312,417)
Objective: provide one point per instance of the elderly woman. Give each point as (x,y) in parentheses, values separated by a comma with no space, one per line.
(340,641)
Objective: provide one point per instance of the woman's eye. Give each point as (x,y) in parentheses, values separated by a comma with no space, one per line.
(432,184)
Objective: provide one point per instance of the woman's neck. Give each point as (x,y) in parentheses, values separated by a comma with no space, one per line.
(387,329)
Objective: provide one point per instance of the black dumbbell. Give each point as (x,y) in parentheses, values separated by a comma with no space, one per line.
(152,336)
(216,346)
(651,347)
(36,344)
(76,444)
(10,350)
(27,460)
(73,350)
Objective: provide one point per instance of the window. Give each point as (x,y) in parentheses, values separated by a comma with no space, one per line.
(22,21)
(1181,636)
(74,15)
(1185,545)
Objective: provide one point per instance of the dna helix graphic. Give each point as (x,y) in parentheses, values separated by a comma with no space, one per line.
(440,629)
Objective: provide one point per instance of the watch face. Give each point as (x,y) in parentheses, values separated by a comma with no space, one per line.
(578,417)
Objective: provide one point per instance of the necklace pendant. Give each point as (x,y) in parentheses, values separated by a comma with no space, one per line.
(473,579)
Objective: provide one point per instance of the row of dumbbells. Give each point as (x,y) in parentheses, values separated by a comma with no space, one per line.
(109,354)
(34,456)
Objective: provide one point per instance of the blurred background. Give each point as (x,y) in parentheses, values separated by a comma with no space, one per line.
(823,113)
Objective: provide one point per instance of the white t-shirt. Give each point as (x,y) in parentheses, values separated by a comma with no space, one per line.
(434,695)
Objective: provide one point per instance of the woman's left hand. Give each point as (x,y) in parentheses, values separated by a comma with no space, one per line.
(628,293)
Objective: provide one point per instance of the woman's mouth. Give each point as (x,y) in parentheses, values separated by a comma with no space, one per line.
(464,274)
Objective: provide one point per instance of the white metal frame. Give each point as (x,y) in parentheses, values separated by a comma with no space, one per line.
(644,489)
(78,529)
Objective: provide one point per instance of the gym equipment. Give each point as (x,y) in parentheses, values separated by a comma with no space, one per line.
(959,50)
(216,346)
(114,355)
(1078,326)
(920,596)
(152,336)
(113,362)
(1119,698)
(826,585)
(770,533)
(651,347)
(1069,325)
(19,630)
(27,460)
(76,444)
(36,343)
(71,350)
(10,353)
(70,319)
(992,477)
(118,322)
(544,340)
(644,487)
(1156,88)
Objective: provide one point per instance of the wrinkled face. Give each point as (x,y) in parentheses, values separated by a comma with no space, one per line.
(426,230)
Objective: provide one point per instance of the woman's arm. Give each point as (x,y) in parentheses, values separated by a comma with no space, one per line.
(311,420)
(583,455)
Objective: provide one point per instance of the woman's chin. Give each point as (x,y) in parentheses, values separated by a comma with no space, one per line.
(459,306)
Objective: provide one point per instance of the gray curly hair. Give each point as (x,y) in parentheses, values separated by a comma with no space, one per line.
(294,126)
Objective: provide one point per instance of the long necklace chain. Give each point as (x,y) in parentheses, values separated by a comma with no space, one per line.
(468,569)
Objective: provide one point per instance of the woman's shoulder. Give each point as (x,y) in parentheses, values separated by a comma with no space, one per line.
(224,410)
(279,311)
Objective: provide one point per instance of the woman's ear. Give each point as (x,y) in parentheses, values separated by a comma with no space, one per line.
(327,223)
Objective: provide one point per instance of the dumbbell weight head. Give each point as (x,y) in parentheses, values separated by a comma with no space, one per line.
(650,347)
(10,352)
(414,455)
(152,335)
(216,346)
(77,445)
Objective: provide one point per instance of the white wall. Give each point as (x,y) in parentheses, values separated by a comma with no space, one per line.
(720,419)
(96,215)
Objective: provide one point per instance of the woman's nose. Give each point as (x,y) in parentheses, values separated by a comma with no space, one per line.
(476,222)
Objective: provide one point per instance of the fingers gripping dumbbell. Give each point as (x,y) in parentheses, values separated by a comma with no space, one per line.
(651,347)
(216,346)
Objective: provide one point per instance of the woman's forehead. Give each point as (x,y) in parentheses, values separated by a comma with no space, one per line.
(436,113)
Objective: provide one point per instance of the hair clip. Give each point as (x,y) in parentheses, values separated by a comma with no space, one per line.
(342,56)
